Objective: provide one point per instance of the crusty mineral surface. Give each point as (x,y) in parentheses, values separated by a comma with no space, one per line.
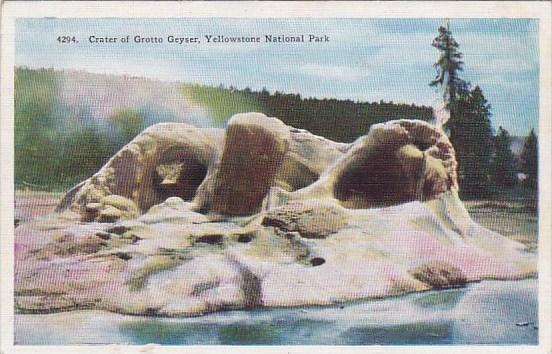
(184,221)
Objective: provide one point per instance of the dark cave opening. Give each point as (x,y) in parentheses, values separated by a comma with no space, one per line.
(378,179)
(179,177)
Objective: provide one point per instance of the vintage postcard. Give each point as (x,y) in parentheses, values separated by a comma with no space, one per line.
(276,177)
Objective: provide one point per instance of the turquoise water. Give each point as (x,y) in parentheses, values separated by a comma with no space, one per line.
(490,312)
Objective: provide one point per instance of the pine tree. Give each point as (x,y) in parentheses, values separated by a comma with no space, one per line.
(530,160)
(448,65)
(472,135)
(468,125)
(502,166)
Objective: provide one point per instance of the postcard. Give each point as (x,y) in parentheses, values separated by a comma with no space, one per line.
(276,177)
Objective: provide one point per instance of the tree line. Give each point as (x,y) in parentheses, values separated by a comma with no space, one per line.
(339,120)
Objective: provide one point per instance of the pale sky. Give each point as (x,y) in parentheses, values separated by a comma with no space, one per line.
(365,59)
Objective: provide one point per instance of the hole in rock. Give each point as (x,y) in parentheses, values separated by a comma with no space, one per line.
(244,238)
(317,261)
(376,179)
(103,235)
(118,229)
(210,239)
(179,177)
(422,145)
(123,255)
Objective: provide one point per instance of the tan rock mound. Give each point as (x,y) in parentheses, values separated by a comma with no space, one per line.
(167,159)
(184,221)
(222,172)
(395,163)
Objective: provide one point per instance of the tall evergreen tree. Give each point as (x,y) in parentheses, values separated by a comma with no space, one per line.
(530,159)
(448,65)
(502,166)
(468,125)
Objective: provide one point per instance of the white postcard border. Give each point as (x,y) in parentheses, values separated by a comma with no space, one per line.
(330,9)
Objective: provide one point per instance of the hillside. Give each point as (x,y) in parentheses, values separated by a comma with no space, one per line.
(339,120)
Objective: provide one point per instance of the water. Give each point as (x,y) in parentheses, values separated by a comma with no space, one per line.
(490,312)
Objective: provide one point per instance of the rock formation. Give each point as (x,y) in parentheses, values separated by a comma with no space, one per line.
(254,149)
(184,221)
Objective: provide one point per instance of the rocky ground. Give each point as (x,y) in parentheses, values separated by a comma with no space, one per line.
(185,221)
(513,214)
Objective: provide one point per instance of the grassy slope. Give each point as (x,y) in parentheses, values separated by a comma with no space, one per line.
(220,103)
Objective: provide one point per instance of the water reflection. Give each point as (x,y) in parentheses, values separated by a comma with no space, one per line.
(406,334)
(442,300)
(277,332)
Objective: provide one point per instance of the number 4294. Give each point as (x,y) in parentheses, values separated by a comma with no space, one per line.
(67,39)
